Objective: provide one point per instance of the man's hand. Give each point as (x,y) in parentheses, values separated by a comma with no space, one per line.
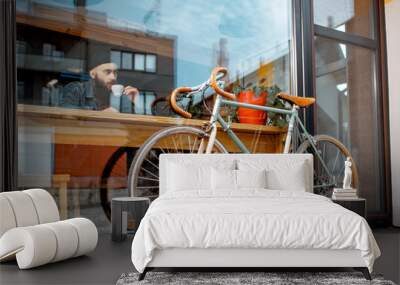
(110,109)
(131,92)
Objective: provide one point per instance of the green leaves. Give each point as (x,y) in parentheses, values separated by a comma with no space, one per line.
(275,119)
(257,90)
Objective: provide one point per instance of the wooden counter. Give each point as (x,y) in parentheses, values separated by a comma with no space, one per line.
(85,127)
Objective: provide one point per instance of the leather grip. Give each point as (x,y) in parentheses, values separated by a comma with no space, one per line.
(214,85)
(175,106)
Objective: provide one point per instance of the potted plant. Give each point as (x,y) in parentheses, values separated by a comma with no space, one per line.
(256,95)
(262,95)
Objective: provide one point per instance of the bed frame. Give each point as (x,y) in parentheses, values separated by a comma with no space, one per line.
(242,259)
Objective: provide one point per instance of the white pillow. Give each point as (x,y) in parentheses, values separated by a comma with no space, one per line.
(251,178)
(183,177)
(223,179)
(226,179)
(291,179)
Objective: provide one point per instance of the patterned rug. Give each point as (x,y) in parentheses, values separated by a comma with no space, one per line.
(230,278)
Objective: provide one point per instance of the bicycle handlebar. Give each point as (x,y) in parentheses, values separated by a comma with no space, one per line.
(175,106)
(214,85)
(216,74)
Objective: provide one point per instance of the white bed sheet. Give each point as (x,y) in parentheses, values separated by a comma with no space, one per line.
(252,218)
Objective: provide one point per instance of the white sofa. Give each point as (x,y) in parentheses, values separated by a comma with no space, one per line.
(31,230)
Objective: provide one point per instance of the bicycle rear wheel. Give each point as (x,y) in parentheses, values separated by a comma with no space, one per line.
(113,178)
(143,178)
(333,153)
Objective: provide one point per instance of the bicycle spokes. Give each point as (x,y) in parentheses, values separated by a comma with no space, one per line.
(147,177)
(328,170)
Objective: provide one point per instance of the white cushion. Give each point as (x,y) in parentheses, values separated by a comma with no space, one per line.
(34,244)
(87,235)
(223,179)
(188,177)
(7,218)
(231,180)
(293,178)
(251,178)
(67,240)
(46,207)
(40,244)
(258,162)
(23,208)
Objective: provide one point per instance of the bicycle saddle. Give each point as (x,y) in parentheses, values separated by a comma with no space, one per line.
(299,101)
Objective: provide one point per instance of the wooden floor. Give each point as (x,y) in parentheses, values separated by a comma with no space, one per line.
(110,260)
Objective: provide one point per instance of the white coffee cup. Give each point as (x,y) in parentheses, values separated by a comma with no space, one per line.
(117,89)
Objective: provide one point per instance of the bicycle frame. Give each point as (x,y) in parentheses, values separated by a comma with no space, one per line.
(294,117)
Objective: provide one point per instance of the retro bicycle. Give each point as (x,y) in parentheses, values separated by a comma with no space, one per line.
(329,153)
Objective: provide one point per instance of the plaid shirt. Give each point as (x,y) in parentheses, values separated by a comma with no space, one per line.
(81,95)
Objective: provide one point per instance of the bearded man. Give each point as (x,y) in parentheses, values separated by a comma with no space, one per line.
(95,93)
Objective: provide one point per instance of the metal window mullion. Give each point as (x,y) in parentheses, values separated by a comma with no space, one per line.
(344,37)
(306,69)
(296,61)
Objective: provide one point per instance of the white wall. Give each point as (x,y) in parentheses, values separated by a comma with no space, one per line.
(392,11)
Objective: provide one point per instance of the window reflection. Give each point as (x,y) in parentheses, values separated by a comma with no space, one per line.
(126,60)
(78,59)
(65,41)
(143,102)
(346,109)
(139,62)
(115,57)
(151,63)
(351,16)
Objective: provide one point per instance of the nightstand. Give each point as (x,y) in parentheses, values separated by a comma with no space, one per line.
(357,205)
(126,214)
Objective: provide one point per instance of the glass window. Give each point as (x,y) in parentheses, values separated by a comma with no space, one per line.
(347,109)
(149,98)
(115,57)
(139,62)
(143,102)
(151,63)
(351,16)
(140,103)
(83,63)
(126,60)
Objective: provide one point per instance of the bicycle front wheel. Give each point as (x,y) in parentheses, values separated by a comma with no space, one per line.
(143,179)
(332,154)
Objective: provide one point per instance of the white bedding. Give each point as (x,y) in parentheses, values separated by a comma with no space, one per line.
(252,218)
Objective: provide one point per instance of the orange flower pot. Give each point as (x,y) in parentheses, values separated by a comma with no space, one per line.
(251,116)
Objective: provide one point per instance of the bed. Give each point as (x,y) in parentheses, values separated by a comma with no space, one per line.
(246,211)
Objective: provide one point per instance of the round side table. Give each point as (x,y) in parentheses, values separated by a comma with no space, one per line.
(126,214)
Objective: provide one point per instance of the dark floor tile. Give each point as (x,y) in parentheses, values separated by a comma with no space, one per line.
(102,266)
(111,259)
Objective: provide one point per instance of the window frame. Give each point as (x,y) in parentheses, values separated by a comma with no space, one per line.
(144,94)
(303,81)
(305,36)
